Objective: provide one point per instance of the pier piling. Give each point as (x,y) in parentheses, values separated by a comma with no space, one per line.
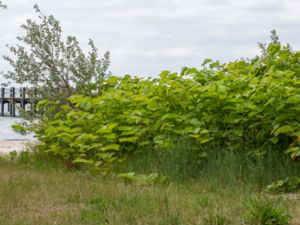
(10,97)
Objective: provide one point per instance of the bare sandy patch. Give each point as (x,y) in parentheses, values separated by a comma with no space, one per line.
(8,146)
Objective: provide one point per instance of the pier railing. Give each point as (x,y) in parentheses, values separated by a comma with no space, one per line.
(11,98)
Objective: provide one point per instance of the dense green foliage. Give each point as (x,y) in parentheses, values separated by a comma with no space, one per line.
(267,212)
(289,184)
(251,103)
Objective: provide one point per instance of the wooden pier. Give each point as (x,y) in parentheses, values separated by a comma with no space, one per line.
(12,97)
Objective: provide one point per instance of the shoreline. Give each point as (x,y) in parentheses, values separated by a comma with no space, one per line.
(10,145)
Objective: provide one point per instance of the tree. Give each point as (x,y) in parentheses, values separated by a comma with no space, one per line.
(3,6)
(57,68)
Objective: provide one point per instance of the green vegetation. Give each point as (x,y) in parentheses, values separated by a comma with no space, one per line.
(37,190)
(267,212)
(289,184)
(199,147)
(54,64)
(246,106)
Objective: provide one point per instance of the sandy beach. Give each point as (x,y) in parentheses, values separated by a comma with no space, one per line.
(7,146)
(10,140)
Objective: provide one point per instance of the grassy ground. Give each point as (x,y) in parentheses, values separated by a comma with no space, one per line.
(227,191)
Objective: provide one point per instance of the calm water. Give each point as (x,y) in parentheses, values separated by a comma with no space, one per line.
(6,133)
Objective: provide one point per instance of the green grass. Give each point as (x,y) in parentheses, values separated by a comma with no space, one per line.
(265,212)
(216,190)
(32,196)
(226,167)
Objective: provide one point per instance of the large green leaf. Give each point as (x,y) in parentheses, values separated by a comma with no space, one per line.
(283,130)
(129,139)
(115,147)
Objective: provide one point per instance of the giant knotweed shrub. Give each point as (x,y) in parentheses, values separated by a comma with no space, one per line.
(242,103)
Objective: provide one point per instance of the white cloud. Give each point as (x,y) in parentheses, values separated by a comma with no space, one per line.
(146,37)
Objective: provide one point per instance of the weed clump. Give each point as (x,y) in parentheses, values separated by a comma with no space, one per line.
(287,185)
(266,212)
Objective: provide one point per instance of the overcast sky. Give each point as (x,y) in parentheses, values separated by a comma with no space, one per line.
(148,36)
